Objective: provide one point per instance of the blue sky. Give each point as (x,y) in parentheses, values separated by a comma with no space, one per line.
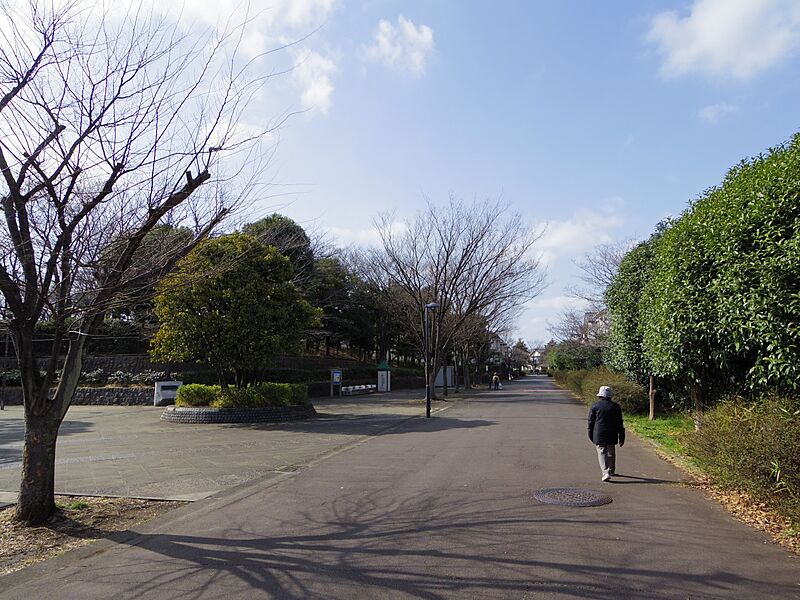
(595,118)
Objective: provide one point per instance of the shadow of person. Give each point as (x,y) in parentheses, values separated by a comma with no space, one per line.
(638,479)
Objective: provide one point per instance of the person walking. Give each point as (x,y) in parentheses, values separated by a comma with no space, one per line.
(606,428)
(496,381)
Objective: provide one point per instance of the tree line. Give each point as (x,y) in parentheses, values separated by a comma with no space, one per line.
(708,307)
(710,303)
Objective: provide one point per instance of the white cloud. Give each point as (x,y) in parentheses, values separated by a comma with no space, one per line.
(404,46)
(583,231)
(714,112)
(312,74)
(364,237)
(282,22)
(727,38)
(302,13)
(556,303)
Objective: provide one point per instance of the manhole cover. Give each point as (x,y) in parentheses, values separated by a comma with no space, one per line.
(571,497)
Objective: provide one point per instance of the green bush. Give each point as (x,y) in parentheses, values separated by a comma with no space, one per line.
(755,446)
(197,394)
(574,380)
(629,395)
(263,394)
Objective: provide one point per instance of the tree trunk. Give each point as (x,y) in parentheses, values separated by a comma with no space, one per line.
(432,380)
(36,492)
(445,388)
(43,418)
(652,396)
(697,400)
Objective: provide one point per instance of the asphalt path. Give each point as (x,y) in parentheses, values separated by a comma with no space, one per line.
(440,508)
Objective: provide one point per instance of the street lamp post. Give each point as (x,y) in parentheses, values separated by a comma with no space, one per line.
(428,307)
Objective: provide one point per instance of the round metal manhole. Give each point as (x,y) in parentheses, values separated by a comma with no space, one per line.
(571,497)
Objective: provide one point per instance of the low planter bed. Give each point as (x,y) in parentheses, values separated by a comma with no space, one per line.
(267,414)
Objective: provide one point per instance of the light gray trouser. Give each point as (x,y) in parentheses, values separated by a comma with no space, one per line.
(607,456)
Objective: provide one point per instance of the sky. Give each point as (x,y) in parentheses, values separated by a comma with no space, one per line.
(593,120)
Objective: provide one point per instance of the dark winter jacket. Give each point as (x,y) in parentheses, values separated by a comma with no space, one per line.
(605,423)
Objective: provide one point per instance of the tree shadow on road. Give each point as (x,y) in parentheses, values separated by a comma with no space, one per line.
(383,424)
(419,546)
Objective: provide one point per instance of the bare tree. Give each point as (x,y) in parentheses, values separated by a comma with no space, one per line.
(109,128)
(588,326)
(472,259)
(598,269)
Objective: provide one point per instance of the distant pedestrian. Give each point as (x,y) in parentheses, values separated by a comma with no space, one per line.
(496,381)
(606,429)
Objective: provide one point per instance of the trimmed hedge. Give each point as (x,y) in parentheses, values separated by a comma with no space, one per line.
(262,395)
(257,396)
(196,394)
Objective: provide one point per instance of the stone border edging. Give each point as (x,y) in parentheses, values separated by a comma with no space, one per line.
(268,414)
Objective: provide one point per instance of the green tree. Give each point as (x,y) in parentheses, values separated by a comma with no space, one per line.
(572,355)
(624,299)
(289,238)
(330,289)
(231,305)
(753,227)
(723,305)
(520,355)
(679,312)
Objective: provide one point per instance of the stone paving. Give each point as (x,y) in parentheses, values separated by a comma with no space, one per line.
(127,451)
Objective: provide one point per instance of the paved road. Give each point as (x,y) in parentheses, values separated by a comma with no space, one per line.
(440,508)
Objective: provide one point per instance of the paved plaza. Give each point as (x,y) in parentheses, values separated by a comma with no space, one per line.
(128,451)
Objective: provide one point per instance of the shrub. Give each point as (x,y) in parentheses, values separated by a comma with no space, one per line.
(631,396)
(196,394)
(148,377)
(263,394)
(755,446)
(96,376)
(299,394)
(574,380)
(120,378)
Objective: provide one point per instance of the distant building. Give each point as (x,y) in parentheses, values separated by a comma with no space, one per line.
(596,325)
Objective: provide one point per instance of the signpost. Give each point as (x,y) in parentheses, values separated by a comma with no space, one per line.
(336,379)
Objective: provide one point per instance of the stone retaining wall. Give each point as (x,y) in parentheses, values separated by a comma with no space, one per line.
(107,396)
(272,414)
